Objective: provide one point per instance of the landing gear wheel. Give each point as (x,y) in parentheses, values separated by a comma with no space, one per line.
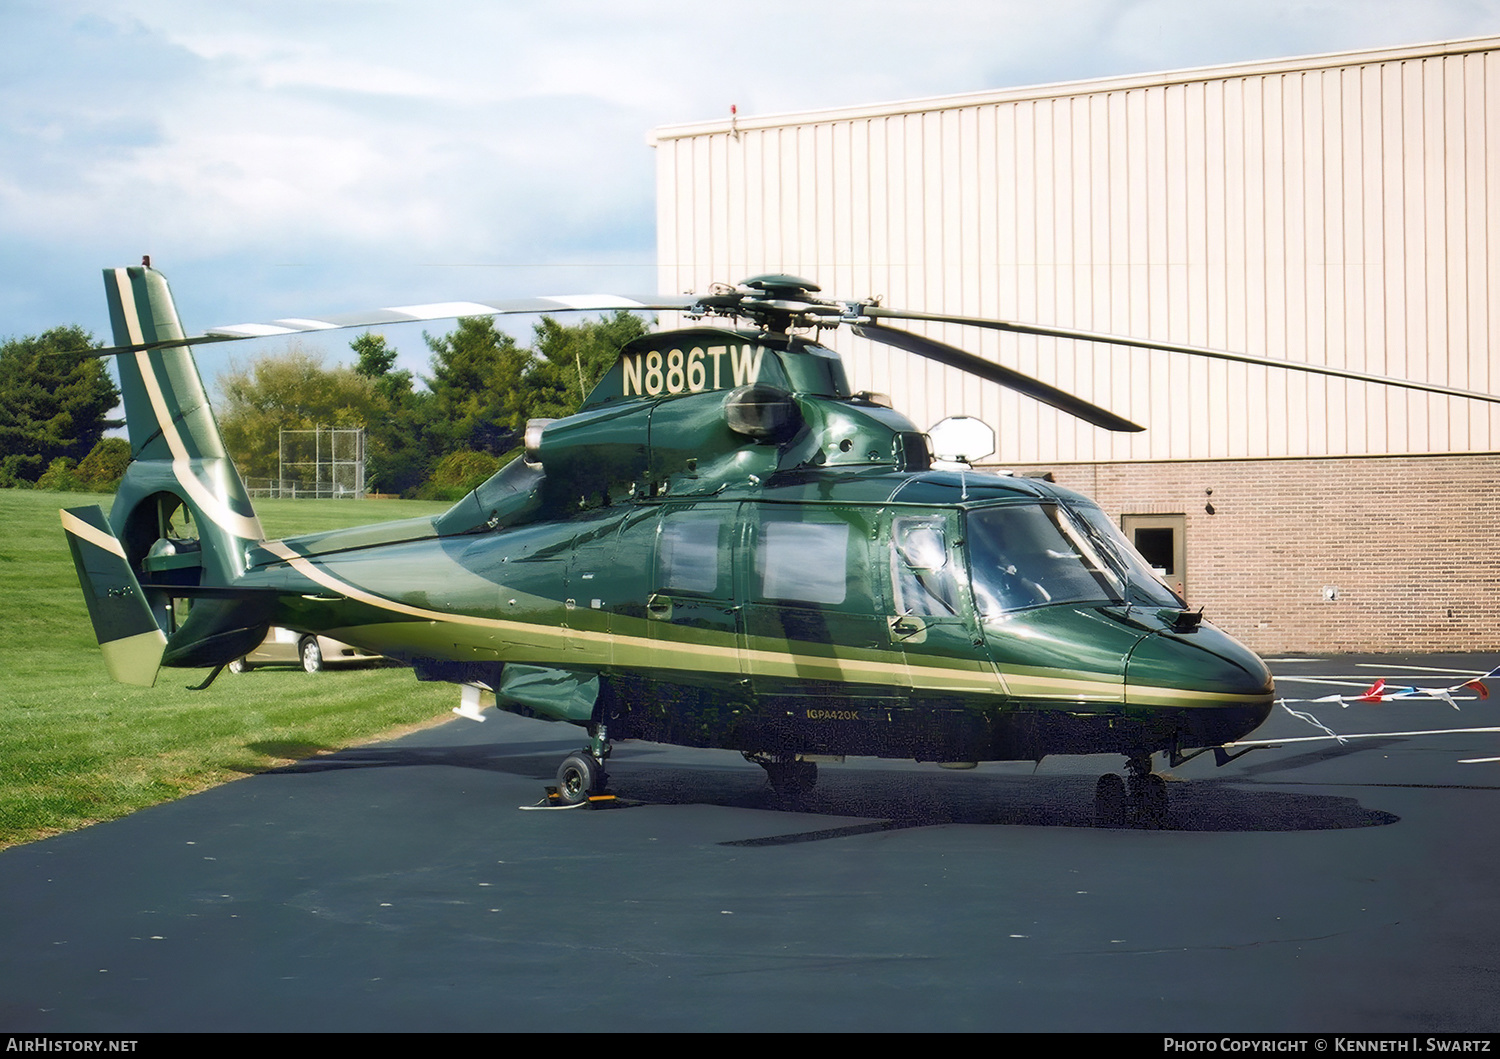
(1148,797)
(312,655)
(577,777)
(1109,801)
(239,665)
(1148,794)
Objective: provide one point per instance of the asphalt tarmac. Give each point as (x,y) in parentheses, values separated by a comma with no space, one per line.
(400,887)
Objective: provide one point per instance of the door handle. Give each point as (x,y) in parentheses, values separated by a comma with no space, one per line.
(907,627)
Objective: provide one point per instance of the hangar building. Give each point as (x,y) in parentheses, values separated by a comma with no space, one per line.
(1340,209)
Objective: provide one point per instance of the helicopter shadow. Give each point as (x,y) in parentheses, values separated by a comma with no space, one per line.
(537,760)
(891,798)
(903,798)
(1323,755)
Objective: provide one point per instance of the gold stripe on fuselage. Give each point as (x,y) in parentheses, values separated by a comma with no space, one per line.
(929,674)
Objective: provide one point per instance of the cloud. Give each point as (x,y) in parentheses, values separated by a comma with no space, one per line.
(281,157)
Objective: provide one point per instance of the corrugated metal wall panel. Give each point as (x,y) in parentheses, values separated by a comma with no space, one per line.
(1337,213)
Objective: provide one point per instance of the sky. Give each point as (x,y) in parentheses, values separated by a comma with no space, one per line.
(299,157)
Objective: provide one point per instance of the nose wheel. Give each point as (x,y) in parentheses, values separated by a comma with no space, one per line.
(1137,800)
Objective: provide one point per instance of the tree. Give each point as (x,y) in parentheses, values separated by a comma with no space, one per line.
(61,477)
(376,359)
(457,473)
(104,466)
(399,451)
(478,387)
(288,391)
(574,358)
(54,402)
(377,362)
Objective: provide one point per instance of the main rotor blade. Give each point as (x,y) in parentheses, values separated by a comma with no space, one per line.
(1171,347)
(985,369)
(405,314)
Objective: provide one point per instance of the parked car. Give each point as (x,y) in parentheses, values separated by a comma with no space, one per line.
(312,653)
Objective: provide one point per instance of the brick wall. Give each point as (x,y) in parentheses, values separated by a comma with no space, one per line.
(1410,543)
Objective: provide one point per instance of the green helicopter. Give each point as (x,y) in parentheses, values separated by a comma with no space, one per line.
(724,547)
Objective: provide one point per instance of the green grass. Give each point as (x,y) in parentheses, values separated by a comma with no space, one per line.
(77,748)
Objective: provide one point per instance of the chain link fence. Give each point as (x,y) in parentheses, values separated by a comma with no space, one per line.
(324,463)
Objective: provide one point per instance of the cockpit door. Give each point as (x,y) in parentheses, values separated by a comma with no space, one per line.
(930,618)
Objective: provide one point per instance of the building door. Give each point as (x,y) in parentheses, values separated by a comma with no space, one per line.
(1160,540)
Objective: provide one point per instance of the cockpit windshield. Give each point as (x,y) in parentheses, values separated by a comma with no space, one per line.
(1034,555)
(1142,584)
(1031,555)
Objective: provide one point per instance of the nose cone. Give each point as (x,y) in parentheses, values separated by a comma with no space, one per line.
(1222,690)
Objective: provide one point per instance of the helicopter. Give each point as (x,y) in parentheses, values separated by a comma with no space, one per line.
(725,546)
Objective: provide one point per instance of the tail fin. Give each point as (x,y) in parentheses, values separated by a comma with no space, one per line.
(159,576)
(178,457)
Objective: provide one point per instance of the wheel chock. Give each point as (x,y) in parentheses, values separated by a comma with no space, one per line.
(601,800)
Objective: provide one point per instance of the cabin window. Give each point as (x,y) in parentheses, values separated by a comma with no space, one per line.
(803,562)
(924,575)
(688,555)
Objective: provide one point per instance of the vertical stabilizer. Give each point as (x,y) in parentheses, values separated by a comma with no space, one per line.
(181,485)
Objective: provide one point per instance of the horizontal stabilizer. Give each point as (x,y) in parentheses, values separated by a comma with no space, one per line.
(127,632)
